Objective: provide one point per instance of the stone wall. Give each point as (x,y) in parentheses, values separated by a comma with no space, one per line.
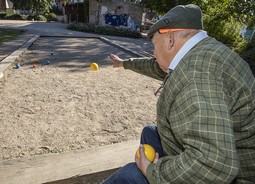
(120,13)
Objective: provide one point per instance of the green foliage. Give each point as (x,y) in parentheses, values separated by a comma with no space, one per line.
(226,31)
(163,6)
(223,20)
(37,6)
(14,17)
(56,11)
(31,17)
(7,34)
(3,15)
(36,17)
(40,18)
(242,9)
(251,23)
(109,30)
(51,17)
(78,26)
(105,30)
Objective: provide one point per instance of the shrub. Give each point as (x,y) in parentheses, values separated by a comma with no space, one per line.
(51,17)
(40,18)
(3,15)
(31,17)
(36,17)
(105,30)
(14,17)
(79,26)
(109,30)
(226,31)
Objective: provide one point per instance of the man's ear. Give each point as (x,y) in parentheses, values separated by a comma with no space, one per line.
(171,40)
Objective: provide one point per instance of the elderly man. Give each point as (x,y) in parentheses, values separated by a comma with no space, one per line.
(205,129)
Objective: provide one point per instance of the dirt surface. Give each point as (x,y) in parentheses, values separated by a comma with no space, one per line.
(64,106)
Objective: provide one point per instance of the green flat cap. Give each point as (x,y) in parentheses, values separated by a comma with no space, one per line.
(181,16)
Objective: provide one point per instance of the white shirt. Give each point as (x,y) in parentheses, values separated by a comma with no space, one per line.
(186,48)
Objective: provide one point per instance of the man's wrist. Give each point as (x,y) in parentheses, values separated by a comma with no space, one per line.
(149,173)
(126,64)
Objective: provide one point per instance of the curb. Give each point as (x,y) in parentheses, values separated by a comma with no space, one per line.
(6,62)
(119,46)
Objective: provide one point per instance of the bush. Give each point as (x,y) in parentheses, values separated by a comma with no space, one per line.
(51,17)
(36,17)
(3,15)
(226,31)
(109,30)
(31,17)
(40,18)
(105,30)
(14,17)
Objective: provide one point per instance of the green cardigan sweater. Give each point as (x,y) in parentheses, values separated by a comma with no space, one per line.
(205,117)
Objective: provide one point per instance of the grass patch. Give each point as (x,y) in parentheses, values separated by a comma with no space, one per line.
(8,34)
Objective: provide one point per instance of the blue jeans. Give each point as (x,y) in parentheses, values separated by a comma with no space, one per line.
(130,173)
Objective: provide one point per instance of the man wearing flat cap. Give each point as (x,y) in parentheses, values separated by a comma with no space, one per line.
(205,128)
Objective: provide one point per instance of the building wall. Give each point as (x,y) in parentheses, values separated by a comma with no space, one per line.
(99,12)
(2,5)
(6,6)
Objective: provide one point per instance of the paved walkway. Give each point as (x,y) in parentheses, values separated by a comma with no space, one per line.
(32,28)
(10,51)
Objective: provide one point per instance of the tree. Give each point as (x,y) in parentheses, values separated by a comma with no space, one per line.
(163,6)
(34,5)
(244,9)
(233,9)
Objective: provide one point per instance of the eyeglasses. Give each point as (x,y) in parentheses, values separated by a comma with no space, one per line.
(161,31)
(158,91)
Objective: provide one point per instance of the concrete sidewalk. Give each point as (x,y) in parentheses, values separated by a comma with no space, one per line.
(11,50)
(137,46)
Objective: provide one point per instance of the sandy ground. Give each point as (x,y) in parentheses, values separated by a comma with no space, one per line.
(64,106)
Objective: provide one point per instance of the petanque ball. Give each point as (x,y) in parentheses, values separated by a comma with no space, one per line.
(93,66)
(17,65)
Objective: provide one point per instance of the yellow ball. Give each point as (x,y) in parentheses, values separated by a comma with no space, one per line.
(93,66)
(36,60)
(149,152)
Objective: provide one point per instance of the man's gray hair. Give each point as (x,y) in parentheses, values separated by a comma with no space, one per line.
(186,33)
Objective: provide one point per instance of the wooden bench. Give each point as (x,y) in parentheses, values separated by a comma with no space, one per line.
(53,167)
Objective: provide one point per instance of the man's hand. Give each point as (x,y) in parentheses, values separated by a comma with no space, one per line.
(116,61)
(143,163)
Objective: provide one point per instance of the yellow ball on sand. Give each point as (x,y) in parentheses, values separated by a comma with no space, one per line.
(36,60)
(149,152)
(93,66)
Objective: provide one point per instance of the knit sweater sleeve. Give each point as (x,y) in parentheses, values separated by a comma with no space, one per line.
(145,66)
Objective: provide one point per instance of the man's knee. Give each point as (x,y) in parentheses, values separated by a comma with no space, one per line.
(128,174)
(148,129)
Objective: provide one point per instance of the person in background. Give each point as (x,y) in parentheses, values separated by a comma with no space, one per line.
(205,128)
